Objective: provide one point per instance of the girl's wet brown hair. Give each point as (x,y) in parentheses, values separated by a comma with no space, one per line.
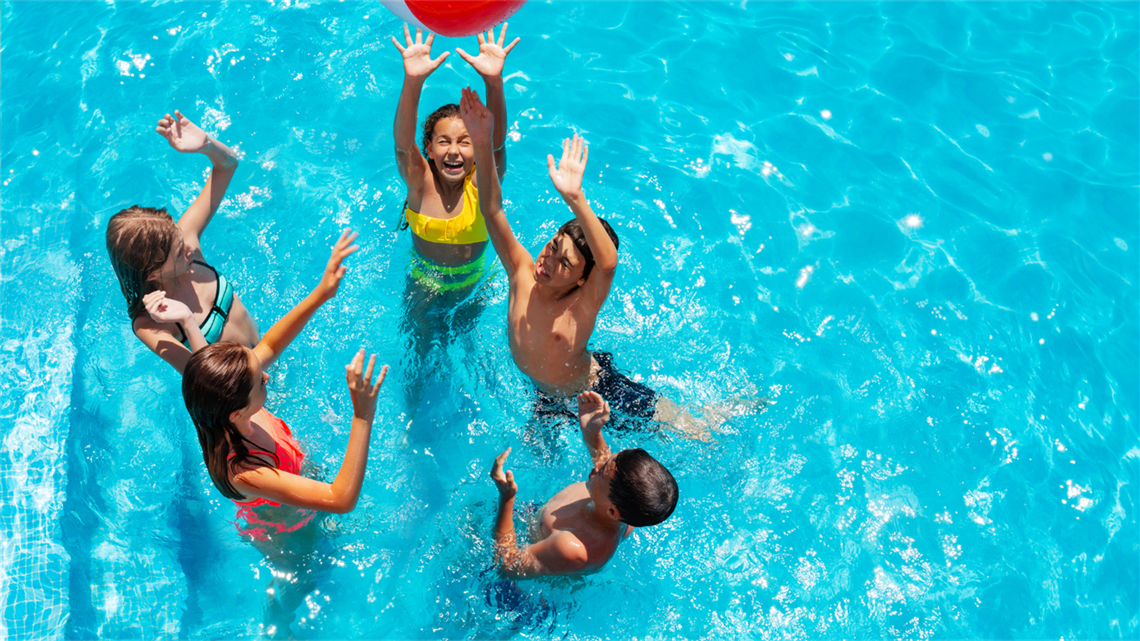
(216,383)
(139,240)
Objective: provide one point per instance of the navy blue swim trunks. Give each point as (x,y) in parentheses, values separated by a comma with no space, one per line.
(624,395)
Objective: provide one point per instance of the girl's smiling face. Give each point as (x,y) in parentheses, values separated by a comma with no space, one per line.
(451,150)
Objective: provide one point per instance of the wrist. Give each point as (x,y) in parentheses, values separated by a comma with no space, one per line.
(573,197)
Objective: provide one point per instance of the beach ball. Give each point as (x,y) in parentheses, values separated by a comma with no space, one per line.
(453,17)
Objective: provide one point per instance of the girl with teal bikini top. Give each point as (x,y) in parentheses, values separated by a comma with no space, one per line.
(177,302)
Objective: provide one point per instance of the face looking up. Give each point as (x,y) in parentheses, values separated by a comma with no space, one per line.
(451,150)
(560,263)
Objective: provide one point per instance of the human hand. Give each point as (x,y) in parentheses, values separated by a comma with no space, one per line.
(476,117)
(334,271)
(505,481)
(567,177)
(360,386)
(417,54)
(182,134)
(166,310)
(492,54)
(593,411)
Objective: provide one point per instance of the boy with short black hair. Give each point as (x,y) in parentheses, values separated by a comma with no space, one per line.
(555,298)
(580,527)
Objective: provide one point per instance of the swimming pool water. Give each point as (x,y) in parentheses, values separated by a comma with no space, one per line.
(912,225)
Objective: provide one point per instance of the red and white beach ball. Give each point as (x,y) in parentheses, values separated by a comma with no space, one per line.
(453,18)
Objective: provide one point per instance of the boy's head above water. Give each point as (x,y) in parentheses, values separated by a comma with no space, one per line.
(634,488)
(447,146)
(567,259)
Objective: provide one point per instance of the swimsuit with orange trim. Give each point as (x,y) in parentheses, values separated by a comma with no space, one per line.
(289,456)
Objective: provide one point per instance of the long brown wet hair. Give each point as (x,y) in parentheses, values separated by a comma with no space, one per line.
(216,383)
(139,240)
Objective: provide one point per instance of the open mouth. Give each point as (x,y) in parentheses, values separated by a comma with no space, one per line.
(452,165)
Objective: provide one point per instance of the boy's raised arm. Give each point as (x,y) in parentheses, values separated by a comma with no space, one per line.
(285,330)
(593,413)
(561,553)
(480,125)
(567,179)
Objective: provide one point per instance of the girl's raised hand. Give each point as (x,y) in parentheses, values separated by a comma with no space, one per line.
(182,134)
(492,55)
(166,310)
(417,54)
(567,177)
(360,386)
(334,271)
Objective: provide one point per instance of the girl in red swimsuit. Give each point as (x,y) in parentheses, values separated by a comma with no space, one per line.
(254,460)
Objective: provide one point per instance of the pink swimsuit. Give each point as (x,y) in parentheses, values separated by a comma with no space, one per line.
(289,459)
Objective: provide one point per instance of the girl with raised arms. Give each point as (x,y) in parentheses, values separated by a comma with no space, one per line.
(251,454)
(253,458)
(442,206)
(176,301)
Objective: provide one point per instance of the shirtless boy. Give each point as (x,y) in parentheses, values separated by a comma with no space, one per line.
(554,300)
(581,526)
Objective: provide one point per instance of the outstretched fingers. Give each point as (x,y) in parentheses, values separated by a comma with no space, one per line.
(497,466)
(368,372)
(352,370)
(379,379)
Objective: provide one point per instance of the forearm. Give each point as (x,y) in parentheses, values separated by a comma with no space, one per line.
(278,337)
(350,478)
(194,334)
(605,254)
(222,157)
(497,105)
(490,191)
(596,445)
(506,548)
(404,128)
(491,205)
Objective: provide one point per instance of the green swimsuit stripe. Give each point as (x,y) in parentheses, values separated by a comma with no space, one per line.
(442,278)
(216,320)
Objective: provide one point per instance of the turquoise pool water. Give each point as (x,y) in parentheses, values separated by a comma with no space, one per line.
(913,226)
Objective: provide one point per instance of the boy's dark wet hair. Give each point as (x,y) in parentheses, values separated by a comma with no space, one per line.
(446,111)
(642,490)
(573,229)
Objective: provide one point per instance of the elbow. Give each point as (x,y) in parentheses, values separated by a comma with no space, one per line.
(342,502)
